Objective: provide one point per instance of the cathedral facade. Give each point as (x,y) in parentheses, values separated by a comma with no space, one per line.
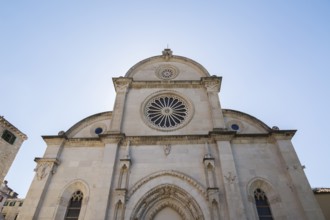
(169,151)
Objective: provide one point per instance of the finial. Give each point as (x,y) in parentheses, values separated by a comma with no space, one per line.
(167,53)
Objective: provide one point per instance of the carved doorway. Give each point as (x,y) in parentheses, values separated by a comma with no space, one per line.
(167,202)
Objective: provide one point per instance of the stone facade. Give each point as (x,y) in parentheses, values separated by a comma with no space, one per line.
(11,208)
(169,151)
(10,142)
(322,196)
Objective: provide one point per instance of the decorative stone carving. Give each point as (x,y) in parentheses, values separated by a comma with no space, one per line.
(167,149)
(121,84)
(42,170)
(45,166)
(121,195)
(167,72)
(230,178)
(167,54)
(167,195)
(173,173)
(212,84)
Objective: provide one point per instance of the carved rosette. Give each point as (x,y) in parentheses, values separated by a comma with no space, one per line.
(167,72)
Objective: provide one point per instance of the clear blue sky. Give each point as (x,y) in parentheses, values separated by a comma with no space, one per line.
(57,60)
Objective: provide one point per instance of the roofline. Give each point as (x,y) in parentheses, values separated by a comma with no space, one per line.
(261,123)
(89,118)
(6,123)
(207,74)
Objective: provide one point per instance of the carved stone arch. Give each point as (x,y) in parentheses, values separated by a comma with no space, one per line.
(66,194)
(273,196)
(172,173)
(167,195)
(168,203)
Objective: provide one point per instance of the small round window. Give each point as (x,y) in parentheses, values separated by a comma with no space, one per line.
(98,130)
(235,127)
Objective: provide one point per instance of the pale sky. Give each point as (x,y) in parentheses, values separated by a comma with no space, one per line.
(57,60)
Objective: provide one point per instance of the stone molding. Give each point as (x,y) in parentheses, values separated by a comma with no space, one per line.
(66,194)
(167,84)
(167,195)
(88,121)
(264,185)
(213,136)
(172,173)
(212,84)
(121,195)
(45,166)
(174,58)
(122,84)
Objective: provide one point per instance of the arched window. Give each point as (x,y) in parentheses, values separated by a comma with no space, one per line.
(74,207)
(262,205)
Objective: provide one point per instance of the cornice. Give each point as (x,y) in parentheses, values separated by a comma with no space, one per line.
(109,137)
(47,160)
(283,134)
(54,139)
(212,84)
(84,142)
(215,135)
(122,83)
(166,139)
(222,134)
(166,84)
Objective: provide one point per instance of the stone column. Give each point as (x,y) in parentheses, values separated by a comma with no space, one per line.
(121,85)
(212,85)
(299,185)
(46,167)
(232,193)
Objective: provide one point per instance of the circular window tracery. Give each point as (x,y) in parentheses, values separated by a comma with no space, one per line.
(167,112)
(167,72)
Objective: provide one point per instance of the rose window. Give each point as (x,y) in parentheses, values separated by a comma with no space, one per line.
(167,112)
(167,72)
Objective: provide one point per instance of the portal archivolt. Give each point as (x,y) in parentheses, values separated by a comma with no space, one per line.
(164,196)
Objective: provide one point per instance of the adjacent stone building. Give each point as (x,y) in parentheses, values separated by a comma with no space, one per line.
(322,196)
(168,150)
(10,142)
(11,208)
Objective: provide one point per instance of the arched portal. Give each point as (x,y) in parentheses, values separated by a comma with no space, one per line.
(167,198)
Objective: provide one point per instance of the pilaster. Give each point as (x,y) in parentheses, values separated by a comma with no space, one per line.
(212,85)
(232,190)
(45,168)
(106,176)
(122,85)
